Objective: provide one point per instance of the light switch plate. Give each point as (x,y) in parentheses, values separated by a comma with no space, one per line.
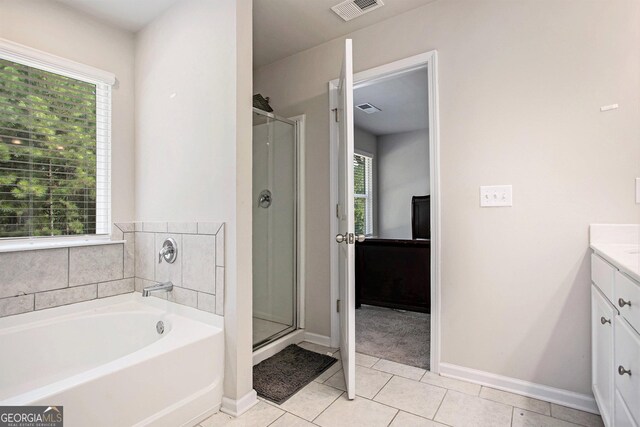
(496,196)
(638,190)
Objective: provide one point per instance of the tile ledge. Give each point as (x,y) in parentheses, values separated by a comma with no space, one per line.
(17,246)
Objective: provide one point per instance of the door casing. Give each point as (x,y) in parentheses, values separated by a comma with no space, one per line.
(429,61)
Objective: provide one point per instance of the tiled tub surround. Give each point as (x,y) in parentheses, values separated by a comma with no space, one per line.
(198,272)
(38,279)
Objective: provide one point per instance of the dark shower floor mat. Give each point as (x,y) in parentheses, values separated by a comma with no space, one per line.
(283,374)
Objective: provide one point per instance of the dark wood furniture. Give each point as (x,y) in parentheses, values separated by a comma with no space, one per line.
(421,217)
(394,273)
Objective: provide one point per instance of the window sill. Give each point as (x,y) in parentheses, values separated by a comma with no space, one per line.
(33,245)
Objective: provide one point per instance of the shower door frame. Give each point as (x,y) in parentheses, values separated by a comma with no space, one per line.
(298,123)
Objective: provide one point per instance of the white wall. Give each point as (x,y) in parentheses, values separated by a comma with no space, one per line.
(193,144)
(368,143)
(59,30)
(520,88)
(403,172)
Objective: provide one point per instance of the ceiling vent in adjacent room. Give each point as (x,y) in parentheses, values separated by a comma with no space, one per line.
(368,108)
(350,9)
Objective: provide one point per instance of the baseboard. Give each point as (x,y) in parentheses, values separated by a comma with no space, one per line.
(270,349)
(559,396)
(317,339)
(237,407)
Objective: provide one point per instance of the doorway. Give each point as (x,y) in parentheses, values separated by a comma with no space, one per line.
(365,205)
(392,211)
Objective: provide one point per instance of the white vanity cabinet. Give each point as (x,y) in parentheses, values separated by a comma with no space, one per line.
(615,343)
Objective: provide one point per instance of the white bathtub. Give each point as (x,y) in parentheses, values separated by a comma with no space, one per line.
(104,361)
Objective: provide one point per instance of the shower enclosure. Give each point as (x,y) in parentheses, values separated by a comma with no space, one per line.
(274,227)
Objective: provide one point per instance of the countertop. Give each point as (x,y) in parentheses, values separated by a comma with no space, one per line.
(619,244)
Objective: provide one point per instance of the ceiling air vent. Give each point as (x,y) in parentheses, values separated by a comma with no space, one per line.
(350,9)
(368,108)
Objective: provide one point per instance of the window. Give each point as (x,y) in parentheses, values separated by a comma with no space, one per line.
(363,193)
(54,147)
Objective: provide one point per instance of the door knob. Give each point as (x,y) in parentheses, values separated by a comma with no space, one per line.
(341,238)
(360,237)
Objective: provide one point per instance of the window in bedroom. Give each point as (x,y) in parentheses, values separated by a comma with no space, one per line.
(363,193)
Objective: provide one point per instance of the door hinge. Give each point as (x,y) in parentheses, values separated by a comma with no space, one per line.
(336,117)
(338,305)
(337,210)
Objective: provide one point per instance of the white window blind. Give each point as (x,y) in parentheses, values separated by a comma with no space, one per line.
(363,193)
(55,154)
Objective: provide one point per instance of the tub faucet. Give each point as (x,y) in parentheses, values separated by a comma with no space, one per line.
(165,287)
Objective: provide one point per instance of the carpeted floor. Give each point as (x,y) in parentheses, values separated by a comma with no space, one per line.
(400,336)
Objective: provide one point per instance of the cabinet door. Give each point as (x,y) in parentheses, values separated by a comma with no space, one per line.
(623,416)
(602,314)
(627,365)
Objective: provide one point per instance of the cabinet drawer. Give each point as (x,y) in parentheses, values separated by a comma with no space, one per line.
(627,357)
(602,274)
(627,299)
(623,415)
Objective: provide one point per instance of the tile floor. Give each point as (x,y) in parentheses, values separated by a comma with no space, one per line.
(396,395)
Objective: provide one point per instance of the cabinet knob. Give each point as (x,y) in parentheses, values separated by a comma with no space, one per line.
(605,321)
(623,371)
(622,302)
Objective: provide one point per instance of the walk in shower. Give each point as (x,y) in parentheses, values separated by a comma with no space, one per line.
(274,227)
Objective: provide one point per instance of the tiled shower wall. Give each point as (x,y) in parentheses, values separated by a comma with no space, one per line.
(198,272)
(38,279)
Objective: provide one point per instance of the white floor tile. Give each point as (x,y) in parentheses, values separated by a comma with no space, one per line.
(405,419)
(512,399)
(309,402)
(406,371)
(366,360)
(524,418)
(461,410)
(368,381)
(336,367)
(355,413)
(337,381)
(411,396)
(261,415)
(289,420)
(575,416)
(451,383)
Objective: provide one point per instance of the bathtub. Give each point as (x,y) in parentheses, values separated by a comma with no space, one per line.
(107,364)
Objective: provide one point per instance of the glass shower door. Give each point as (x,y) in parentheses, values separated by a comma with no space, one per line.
(274,228)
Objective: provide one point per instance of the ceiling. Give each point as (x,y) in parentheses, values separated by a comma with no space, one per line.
(403,100)
(284,27)
(131,15)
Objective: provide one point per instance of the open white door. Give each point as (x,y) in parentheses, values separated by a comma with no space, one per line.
(346,239)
